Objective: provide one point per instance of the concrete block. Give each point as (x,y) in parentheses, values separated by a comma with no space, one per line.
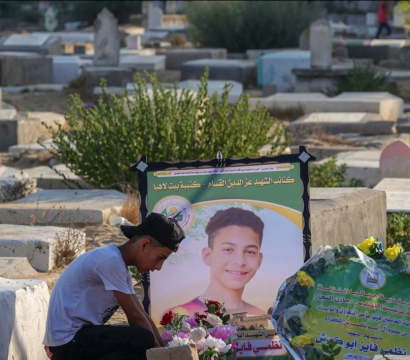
(252,54)
(63,206)
(24,69)
(15,184)
(346,216)
(142,63)
(48,179)
(37,243)
(276,68)
(23,314)
(215,86)
(336,123)
(18,149)
(362,165)
(49,118)
(17,131)
(183,352)
(43,44)
(12,267)
(176,57)
(115,76)
(237,70)
(67,68)
(320,44)
(71,37)
(397,194)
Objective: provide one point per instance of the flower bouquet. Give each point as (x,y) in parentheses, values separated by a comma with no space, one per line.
(210,332)
(357,296)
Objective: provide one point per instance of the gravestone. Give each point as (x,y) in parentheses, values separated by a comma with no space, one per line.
(155,17)
(142,63)
(304,40)
(67,68)
(397,194)
(18,130)
(320,41)
(23,314)
(395,160)
(15,184)
(107,39)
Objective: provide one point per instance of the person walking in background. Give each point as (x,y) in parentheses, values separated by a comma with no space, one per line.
(382,18)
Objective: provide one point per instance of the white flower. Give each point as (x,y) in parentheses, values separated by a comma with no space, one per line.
(213,320)
(197,334)
(226,348)
(295,310)
(329,255)
(185,326)
(213,343)
(177,341)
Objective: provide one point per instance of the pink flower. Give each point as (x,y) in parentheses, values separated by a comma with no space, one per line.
(183,335)
(191,321)
(166,336)
(234,345)
(222,333)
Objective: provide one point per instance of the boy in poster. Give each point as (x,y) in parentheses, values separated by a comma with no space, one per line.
(233,255)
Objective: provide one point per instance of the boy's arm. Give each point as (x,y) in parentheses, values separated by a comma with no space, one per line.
(156,333)
(134,314)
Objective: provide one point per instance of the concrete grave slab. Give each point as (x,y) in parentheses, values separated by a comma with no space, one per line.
(183,352)
(346,215)
(43,44)
(361,165)
(67,68)
(48,179)
(397,194)
(115,76)
(20,130)
(38,243)
(15,267)
(340,122)
(33,88)
(176,57)
(276,68)
(395,160)
(253,54)
(24,68)
(15,184)
(49,118)
(236,70)
(215,86)
(23,314)
(70,37)
(62,206)
(18,149)
(141,63)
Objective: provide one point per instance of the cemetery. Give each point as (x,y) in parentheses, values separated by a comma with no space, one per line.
(136,135)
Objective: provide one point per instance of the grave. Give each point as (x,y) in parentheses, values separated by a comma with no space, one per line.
(18,130)
(70,37)
(142,63)
(236,70)
(23,314)
(49,118)
(42,44)
(67,68)
(12,267)
(253,54)
(16,150)
(15,184)
(320,43)
(361,165)
(63,206)
(215,86)
(25,68)
(183,352)
(346,215)
(48,179)
(397,194)
(155,17)
(395,160)
(115,76)
(275,69)
(338,122)
(176,57)
(38,243)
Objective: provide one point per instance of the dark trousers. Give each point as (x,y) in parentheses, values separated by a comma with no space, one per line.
(381,26)
(105,342)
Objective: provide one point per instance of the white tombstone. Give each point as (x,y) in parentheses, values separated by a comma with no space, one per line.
(107,39)
(320,44)
(133,41)
(155,17)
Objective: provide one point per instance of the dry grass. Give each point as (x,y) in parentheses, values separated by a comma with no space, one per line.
(288,114)
(131,208)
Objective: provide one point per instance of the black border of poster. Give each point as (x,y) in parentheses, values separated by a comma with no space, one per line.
(303,157)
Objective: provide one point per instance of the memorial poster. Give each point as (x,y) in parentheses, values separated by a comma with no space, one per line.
(244,237)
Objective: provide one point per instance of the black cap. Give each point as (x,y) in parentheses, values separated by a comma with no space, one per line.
(165,230)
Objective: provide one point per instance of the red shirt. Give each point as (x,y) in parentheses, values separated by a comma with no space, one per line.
(382,13)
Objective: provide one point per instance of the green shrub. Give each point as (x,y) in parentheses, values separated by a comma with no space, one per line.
(168,125)
(242,25)
(329,174)
(365,78)
(398,230)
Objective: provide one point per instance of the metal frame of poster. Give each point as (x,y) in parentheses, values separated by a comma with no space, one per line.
(250,167)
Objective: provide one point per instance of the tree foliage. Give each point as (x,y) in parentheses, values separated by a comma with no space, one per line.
(164,124)
(242,25)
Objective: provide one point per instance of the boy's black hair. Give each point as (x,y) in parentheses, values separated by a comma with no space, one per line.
(231,217)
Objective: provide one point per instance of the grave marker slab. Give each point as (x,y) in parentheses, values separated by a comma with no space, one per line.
(23,314)
(37,243)
(141,63)
(44,44)
(15,184)
(18,149)
(67,68)
(115,76)
(27,40)
(320,42)
(397,194)
(155,17)
(395,160)
(62,206)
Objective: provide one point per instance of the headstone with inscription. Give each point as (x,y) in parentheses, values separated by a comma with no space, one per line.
(320,42)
